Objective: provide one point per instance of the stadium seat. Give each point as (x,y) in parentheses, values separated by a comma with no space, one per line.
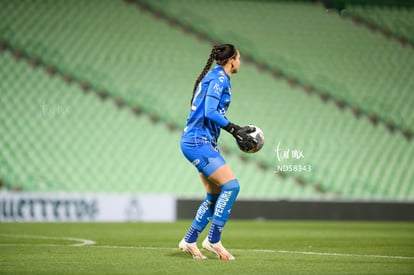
(59,138)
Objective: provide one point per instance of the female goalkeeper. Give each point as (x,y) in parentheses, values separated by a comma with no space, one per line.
(209,103)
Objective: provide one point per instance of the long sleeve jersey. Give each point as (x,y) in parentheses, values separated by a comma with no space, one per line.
(210,103)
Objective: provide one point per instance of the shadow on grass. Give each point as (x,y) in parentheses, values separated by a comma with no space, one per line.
(179,254)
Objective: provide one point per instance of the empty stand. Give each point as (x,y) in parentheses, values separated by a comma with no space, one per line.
(397,20)
(56,137)
(316,47)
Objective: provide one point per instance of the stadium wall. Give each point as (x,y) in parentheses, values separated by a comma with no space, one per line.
(69,207)
(310,210)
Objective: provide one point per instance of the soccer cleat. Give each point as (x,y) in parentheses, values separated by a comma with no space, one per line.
(218,249)
(192,249)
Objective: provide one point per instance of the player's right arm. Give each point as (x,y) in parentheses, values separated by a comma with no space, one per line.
(241,134)
(211,108)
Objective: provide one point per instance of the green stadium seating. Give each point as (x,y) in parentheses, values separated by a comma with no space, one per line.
(398,20)
(58,138)
(140,59)
(317,47)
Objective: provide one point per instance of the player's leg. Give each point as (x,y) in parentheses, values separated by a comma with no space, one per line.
(204,211)
(225,179)
(210,186)
(217,176)
(204,158)
(202,218)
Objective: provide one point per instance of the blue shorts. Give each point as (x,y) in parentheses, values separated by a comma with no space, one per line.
(204,155)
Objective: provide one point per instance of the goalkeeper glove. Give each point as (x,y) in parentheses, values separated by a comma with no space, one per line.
(245,141)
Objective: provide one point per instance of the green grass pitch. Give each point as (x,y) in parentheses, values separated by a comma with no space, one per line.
(260,247)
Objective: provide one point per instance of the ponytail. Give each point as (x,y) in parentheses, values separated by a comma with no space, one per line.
(206,68)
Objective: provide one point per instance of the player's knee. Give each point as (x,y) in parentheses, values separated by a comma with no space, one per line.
(232,185)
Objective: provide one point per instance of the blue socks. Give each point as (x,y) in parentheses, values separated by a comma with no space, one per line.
(216,206)
(202,218)
(228,195)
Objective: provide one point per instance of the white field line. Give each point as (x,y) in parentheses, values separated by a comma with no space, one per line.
(328,254)
(79,242)
(267,251)
(92,244)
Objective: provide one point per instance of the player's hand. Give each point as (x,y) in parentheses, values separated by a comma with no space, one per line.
(245,141)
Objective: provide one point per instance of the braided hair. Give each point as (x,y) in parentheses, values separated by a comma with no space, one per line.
(222,54)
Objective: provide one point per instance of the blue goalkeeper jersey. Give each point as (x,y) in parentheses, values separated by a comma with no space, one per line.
(210,103)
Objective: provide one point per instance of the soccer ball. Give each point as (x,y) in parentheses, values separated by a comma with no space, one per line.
(259,137)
